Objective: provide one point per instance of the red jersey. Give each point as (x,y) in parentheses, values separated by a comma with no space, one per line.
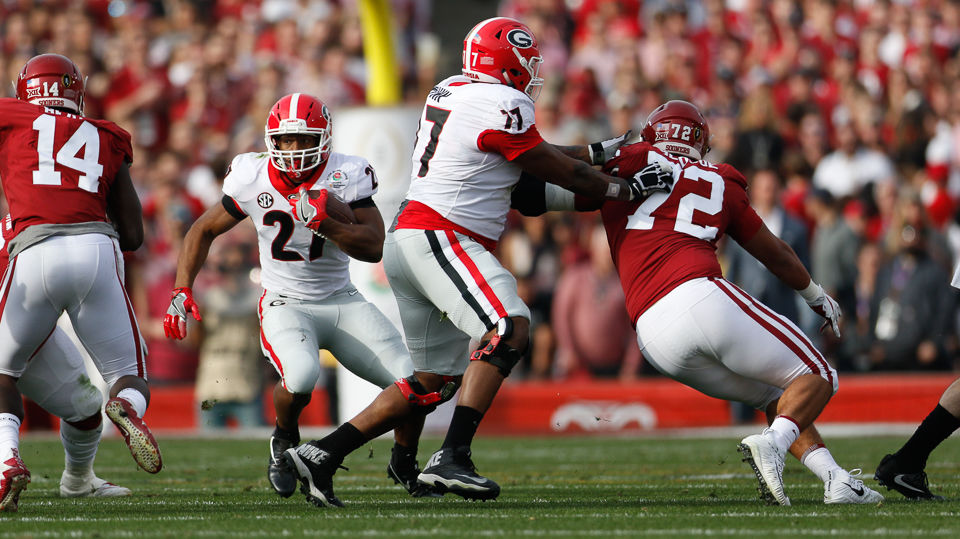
(672,237)
(57,167)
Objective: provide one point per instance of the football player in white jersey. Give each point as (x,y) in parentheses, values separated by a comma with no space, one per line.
(477,134)
(308,301)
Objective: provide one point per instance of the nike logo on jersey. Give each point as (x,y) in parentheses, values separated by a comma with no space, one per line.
(352,293)
(277,303)
(857,491)
(898,479)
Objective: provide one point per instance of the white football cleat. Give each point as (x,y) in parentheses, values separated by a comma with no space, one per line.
(760,451)
(14,477)
(72,486)
(843,487)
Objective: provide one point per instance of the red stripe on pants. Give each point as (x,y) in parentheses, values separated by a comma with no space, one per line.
(811,360)
(475,273)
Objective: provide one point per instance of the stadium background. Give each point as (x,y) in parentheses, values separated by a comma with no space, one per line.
(851,107)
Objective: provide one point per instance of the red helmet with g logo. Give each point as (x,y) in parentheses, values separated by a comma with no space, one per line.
(298,114)
(679,128)
(51,80)
(503,51)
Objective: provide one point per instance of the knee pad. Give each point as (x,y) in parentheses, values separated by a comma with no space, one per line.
(301,377)
(81,402)
(497,352)
(420,398)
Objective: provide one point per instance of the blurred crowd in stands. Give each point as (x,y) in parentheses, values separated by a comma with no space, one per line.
(844,115)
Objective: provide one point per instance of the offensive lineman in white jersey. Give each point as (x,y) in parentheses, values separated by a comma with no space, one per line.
(308,301)
(477,135)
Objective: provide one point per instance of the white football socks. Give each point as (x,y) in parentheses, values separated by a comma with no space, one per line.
(820,461)
(785,432)
(9,433)
(135,398)
(79,448)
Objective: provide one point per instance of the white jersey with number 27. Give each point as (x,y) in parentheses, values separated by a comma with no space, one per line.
(293,260)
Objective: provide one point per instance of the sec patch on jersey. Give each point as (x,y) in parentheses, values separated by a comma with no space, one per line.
(337,209)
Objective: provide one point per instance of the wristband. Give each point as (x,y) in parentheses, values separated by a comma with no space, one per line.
(596,153)
(613,190)
(811,292)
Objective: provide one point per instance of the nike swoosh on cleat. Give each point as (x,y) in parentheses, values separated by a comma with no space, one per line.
(857,491)
(902,483)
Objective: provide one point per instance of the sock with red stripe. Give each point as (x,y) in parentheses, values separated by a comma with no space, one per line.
(785,432)
(819,460)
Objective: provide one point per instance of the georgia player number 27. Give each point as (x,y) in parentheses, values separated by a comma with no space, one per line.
(85,138)
(642,219)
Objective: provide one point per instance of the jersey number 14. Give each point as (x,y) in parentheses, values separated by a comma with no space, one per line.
(85,138)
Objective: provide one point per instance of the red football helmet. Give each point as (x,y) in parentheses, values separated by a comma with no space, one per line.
(503,51)
(298,114)
(678,127)
(51,80)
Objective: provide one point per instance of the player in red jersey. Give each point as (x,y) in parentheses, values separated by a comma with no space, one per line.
(56,379)
(704,331)
(73,209)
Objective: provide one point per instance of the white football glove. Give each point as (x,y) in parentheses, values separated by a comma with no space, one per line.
(601,152)
(824,305)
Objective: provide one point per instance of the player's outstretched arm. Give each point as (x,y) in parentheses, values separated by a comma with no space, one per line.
(597,153)
(782,261)
(123,207)
(548,163)
(363,240)
(196,244)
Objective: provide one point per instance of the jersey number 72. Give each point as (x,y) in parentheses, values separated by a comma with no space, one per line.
(643,218)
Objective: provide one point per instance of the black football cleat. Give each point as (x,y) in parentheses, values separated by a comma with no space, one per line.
(913,485)
(315,467)
(282,478)
(451,470)
(404,470)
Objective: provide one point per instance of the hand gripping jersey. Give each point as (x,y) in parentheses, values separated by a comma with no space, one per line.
(462,175)
(294,261)
(57,169)
(672,237)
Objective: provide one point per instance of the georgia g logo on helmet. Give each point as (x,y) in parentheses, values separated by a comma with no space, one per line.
(519,38)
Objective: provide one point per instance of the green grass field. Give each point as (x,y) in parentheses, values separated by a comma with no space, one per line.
(557,487)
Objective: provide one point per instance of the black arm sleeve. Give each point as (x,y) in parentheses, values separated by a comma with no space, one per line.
(529,196)
(363,203)
(232,207)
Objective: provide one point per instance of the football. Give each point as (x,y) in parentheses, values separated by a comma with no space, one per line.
(337,209)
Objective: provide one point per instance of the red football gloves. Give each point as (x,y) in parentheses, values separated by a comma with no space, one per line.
(175,321)
(310,211)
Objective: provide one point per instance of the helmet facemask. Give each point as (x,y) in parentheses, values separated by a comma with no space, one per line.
(532,65)
(297,161)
